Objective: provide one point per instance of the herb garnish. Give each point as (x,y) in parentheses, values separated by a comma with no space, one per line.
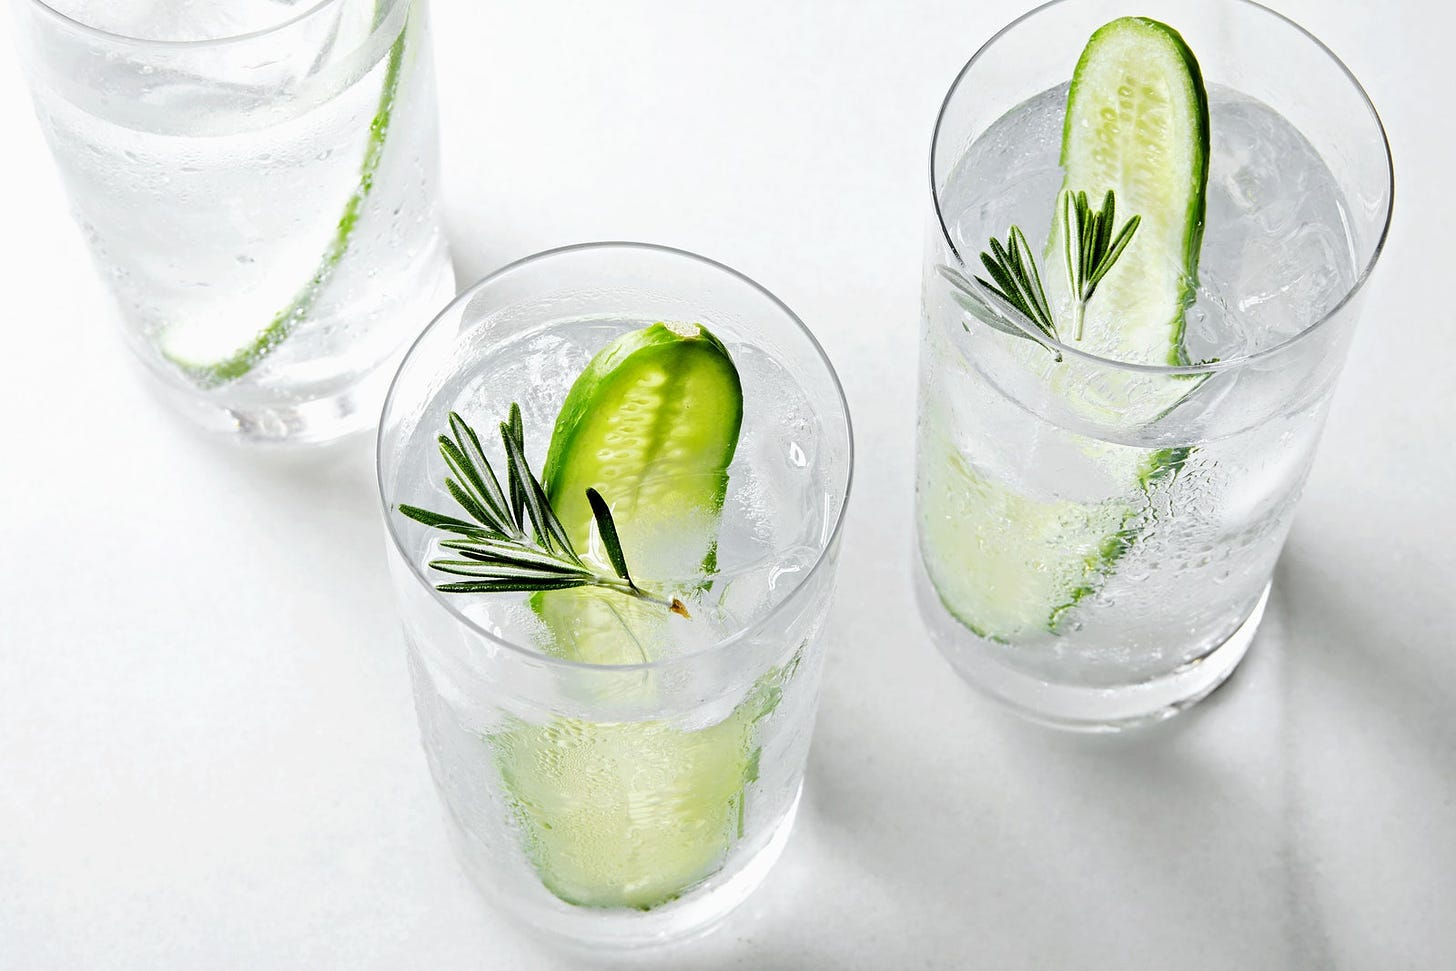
(516,542)
(1090,249)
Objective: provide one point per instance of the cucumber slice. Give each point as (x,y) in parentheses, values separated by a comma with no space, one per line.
(651,424)
(192,352)
(1003,563)
(1006,565)
(632,814)
(1137,123)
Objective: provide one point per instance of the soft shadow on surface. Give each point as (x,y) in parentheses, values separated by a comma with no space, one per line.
(316,475)
(1367,756)
(1036,843)
(478,251)
(311,513)
(1200,836)
(1383,648)
(339,474)
(323,498)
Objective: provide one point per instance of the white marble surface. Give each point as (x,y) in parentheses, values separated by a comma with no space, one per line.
(207,753)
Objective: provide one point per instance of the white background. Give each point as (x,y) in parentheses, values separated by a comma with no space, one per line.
(208,757)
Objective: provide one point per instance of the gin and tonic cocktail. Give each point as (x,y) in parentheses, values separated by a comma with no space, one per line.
(256,181)
(1120,400)
(613,477)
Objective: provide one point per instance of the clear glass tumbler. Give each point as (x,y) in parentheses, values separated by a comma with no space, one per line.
(621,804)
(257,184)
(1096,536)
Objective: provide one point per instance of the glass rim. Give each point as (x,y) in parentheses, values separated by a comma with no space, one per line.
(1210,367)
(719,645)
(200,43)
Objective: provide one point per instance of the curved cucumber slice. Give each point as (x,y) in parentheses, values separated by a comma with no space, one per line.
(178,343)
(1007,565)
(632,814)
(652,424)
(1002,563)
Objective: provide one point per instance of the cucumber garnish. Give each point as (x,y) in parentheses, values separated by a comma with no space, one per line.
(1008,565)
(1137,125)
(633,814)
(652,425)
(208,374)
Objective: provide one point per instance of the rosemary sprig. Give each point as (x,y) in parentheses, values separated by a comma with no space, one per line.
(513,540)
(975,300)
(1092,249)
(1017,282)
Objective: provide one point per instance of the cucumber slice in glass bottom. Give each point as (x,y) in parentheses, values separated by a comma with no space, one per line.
(633,814)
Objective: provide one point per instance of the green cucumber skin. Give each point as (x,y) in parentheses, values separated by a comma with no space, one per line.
(1161,466)
(609,361)
(1103,43)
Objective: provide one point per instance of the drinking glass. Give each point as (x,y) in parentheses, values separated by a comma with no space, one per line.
(1096,538)
(621,804)
(257,185)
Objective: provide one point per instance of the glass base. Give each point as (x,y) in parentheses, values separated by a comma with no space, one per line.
(309,421)
(306,419)
(588,930)
(1077,707)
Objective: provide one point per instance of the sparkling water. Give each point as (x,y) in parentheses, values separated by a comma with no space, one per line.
(1019,478)
(214,181)
(192,20)
(775,517)
(1276,254)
